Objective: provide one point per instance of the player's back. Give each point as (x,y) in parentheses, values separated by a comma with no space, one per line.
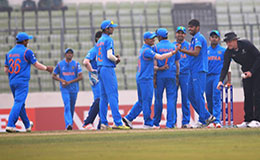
(145,63)
(19,60)
(165,46)
(92,56)
(104,44)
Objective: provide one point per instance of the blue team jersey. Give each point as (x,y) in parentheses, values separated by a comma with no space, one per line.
(145,63)
(68,71)
(165,46)
(91,55)
(185,58)
(215,59)
(19,60)
(104,44)
(199,63)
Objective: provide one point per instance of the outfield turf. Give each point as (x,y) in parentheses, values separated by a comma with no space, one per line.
(188,144)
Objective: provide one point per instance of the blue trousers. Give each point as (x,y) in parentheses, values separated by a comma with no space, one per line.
(145,96)
(185,103)
(197,85)
(213,96)
(20,92)
(96,90)
(94,108)
(170,85)
(69,100)
(93,111)
(109,94)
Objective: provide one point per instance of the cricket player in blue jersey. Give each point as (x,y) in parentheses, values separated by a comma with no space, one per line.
(70,73)
(215,64)
(18,68)
(144,80)
(199,69)
(165,79)
(183,77)
(106,61)
(91,65)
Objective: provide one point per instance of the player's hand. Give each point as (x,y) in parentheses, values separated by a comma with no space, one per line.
(118,59)
(247,74)
(93,79)
(165,67)
(227,84)
(64,83)
(49,69)
(178,47)
(220,85)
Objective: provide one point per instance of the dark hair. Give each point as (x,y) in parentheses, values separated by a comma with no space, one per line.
(98,35)
(20,42)
(194,22)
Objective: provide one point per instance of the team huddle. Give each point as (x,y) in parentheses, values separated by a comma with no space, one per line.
(193,67)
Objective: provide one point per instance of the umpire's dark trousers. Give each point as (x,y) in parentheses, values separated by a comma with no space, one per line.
(251,88)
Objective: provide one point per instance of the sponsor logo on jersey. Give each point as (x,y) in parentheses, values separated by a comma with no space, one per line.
(68,73)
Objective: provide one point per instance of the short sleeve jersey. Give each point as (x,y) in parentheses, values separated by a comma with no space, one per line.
(68,71)
(145,63)
(185,58)
(104,44)
(215,59)
(91,55)
(200,62)
(19,60)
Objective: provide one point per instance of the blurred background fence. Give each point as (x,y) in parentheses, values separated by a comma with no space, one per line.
(59,26)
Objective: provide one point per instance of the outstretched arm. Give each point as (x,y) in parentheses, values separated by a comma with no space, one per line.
(40,66)
(167,55)
(194,52)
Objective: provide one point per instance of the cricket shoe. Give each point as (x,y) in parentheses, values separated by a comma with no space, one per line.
(69,128)
(156,127)
(147,127)
(105,127)
(211,125)
(30,128)
(218,125)
(186,126)
(89,127)
(199,125)
(11,129)
(243,125)
(127,123)
(121,127)
(210,119)
(254,124)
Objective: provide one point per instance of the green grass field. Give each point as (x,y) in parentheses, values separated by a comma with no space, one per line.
(188,144)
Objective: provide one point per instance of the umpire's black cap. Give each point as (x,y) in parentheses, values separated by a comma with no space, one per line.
(230,36)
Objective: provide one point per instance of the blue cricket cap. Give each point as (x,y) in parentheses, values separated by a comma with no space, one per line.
(68,49)
(149,35)
(181,28)
(107,23)
(162,32)
(21,36)
(216,32)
